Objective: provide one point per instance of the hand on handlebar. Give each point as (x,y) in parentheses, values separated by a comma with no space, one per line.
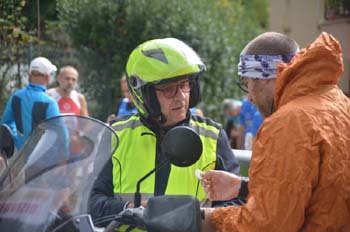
(133,216)
(131,204)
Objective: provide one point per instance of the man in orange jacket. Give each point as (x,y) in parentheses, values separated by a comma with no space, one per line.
(299,172)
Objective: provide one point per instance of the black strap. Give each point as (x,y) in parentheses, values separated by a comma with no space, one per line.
(202,213)
(39,112)
(17,113)
(243,191)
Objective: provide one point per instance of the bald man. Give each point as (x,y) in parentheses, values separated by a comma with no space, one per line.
(69,100)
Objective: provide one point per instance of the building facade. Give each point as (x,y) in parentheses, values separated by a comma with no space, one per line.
(304,20)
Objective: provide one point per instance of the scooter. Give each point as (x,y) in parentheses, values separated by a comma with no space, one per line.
(47,184)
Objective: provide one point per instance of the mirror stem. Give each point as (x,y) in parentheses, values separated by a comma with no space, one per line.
(137,197)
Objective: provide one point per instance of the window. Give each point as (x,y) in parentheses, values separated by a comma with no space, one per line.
(337,9)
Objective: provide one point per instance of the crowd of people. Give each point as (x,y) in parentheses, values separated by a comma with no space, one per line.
(294,118)
(27,107)
(242,121)
(239,125)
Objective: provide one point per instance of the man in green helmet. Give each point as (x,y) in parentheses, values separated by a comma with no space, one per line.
(163,78)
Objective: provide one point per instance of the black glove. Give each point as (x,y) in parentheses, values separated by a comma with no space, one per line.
(133,217)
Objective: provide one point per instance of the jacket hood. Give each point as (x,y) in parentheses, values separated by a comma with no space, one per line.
(313,70)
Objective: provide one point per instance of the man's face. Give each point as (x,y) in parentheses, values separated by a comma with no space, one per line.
(260,93)
(67,80)
(174,101)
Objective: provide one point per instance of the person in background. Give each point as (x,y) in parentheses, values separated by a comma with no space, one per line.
(196,111)
(257,121)
(245,131)
(299,174)
(126,105)
(27,107)
(163,76)
(231,109)
(69,100)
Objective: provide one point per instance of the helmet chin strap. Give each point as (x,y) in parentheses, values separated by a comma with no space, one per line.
(158,121)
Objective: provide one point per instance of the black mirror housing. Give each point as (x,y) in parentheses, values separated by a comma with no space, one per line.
(181,213)
(182,146)
(7,146)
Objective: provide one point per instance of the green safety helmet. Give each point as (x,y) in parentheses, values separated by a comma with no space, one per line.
(161,61)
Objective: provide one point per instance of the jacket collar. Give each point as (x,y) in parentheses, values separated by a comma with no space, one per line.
(158,129)
(37,87)
(314,69)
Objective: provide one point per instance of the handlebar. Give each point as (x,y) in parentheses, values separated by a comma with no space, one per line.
(133,217)
(163,213)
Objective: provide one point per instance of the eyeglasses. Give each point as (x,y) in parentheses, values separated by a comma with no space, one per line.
(243,84)
(171,90)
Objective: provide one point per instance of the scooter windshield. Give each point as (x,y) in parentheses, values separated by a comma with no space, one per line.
(49,180)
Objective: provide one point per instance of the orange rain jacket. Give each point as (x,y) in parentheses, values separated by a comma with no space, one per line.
(300,167)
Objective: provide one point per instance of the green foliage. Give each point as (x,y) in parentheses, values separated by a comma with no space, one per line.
(257,10)
(14,38)
(45,11)
(105,32)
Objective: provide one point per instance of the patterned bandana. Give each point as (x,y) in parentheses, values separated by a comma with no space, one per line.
(261,66)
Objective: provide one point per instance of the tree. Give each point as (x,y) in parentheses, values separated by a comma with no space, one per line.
(14,39)
(38,14)
(105,32)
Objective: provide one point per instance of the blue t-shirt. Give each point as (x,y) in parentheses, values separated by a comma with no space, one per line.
(246,116)
(25,109)
(257,120)
(194,110)
(126,108)
(251,119)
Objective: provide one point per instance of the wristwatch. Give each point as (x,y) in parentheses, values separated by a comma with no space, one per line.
(243,191)
(202,213)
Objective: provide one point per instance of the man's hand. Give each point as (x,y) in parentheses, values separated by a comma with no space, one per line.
(131,204)
(220,185)
(133,217)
